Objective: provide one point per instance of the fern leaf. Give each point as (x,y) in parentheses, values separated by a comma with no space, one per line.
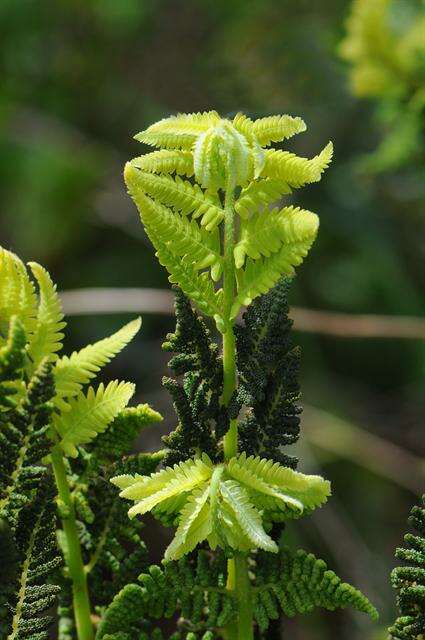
(265,233)
(298,582)
(246,515)
(277,128)
(195,525)
(31,592)
(183,272)
(296,171)
(293,488)
(149,491)
(180,194)
(47,337)
(166,162)
(72,372)
(90,414)
(183,236)
(178,132)
(17,292)
(259,195)
(259,276)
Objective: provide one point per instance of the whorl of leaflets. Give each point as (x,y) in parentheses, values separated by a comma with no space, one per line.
(218,158)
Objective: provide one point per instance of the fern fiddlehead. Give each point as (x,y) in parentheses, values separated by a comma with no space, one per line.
(230,498)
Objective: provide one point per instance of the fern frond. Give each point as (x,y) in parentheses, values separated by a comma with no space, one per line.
(72,372)
(409,580)
(178,132)
(259,276)
(195,525)
(180,194)
(29,596)
(296,171)
(91,414)
(265,233)
(147,492)
(17,292)
(298,582)
(288,487)
(166,162)
(246,515)
(277,128)
(259,195)
(194,588)
(47,337)
(23,443)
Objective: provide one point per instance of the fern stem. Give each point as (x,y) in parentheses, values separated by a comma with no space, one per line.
(238,579)
(73,555)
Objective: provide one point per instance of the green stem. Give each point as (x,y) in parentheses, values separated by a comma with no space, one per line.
(241,628)
(73,555)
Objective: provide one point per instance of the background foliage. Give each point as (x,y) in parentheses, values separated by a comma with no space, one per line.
(79,79)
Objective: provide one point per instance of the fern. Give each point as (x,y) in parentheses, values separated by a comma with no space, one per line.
(90,414)
(166,162)
(265,233)
(277,128)
(259,276)
(47,336)
(259,195)
(409,581)
(17,293)
(178,193)
(30,593)
(295,171)
(74,371)
(298,583)
(178,132)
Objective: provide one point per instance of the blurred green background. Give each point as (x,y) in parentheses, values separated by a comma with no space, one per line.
(79,79)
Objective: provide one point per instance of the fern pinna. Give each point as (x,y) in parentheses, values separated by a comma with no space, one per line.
(211,201)
(49,422)
(409,580)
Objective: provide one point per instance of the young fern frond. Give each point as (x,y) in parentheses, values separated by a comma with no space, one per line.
(17,293)
(90,414)
(295,171)
(46,340)
(180,194)
(277,128)
(166,162)
(74,371)
(178,132)
(265,233)
(259,276)
(260,195)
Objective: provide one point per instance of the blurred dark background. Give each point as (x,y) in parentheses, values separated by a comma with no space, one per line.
(79,79)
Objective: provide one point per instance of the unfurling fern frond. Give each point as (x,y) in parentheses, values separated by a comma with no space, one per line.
(74,371)
(166,162)
(259,276)
(295,171)
(180,194)
(297,582)
(178,132)
(17,293)
(225,504)
(91,414)
(194,587)
(409,581)
(265,233)
(26,599)
(47,338)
